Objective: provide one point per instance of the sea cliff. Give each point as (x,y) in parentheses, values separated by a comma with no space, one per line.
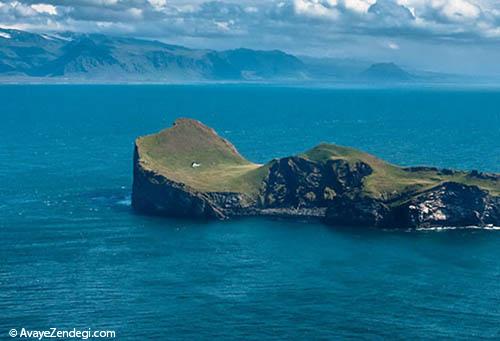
(189,171)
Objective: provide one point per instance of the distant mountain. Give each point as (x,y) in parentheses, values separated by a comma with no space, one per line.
(75,57)
(340,69)
(96,56)
(386,72)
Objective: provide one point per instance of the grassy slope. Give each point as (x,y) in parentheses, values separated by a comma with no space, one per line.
(388,180)
(172,151)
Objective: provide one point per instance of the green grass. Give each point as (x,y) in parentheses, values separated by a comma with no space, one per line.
(172,151)
(388,181)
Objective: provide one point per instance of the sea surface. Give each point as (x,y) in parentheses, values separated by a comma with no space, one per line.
(74,255)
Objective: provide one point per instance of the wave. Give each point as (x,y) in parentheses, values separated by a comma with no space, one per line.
(126,201)
(450,228)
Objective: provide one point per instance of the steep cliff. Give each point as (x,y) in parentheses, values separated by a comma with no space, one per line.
(189,171)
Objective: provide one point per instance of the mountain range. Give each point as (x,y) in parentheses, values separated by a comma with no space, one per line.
(72,56)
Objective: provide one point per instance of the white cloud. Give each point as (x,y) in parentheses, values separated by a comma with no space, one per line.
(135,12)
(393,45)
(19,9)
(300,23)
(361,6)
(459,10)
(45,8)
(224,25)
(455,10)
(317,8)
(251,9)
(158,4)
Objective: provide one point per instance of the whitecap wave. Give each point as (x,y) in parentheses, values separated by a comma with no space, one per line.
(127,201)
(449,228)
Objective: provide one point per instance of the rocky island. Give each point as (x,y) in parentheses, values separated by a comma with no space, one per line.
(190,171)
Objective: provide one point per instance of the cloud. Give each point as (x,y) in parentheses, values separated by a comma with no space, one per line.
(447,10)
(45,9)
(306,24)
(317,9)
(393,45)
(158,4)
(388,9)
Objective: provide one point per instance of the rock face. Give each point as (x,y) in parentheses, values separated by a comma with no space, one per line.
(299,182)
(358,211)
(450,204)
(154,193)
(189,171)
(167,190)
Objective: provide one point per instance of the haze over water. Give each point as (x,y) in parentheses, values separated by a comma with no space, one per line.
(74,255)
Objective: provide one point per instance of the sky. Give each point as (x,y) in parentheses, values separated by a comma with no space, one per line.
(461,36)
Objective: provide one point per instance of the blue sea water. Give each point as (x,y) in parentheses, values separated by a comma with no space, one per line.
(74,255)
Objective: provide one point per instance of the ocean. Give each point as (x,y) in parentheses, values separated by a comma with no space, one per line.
(74,255)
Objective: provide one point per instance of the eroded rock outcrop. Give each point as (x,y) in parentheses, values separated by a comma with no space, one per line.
(299,182)
(358,211)
(449,204)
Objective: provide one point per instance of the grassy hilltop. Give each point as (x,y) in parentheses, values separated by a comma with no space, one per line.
(173,151)
(389,180)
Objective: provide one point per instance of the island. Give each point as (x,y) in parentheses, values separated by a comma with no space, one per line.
(386,72)
(188,170)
